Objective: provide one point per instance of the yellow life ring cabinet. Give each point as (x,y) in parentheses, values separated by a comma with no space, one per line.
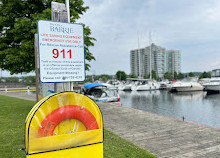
(64,125)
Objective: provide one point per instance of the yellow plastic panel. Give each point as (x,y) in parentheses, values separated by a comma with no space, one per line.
(65,141)
(63,131)
(91,151)
(30,114)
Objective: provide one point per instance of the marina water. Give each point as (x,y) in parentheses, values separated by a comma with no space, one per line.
(196,107)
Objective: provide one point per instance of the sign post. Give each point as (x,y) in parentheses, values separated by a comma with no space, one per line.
(65,124)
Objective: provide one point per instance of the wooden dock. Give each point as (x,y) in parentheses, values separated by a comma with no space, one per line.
(165,137)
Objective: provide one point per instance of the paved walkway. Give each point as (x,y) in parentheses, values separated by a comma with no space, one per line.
(20,95)
(163,136)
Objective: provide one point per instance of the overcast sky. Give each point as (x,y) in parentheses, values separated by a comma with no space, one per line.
(191,26)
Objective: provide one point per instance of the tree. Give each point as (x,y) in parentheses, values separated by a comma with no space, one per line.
(121,75)
(29,80)
(11,79)
(180,76)
(205,75)
(146,76)
(133,75)
(18,24)
(104,77)
(191,74)
(175,75)
(168,76)
(154,75)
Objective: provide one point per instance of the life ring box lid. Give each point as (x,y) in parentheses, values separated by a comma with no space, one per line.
(72,119)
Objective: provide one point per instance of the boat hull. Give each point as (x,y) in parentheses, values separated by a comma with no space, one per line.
(125,88)
(186,87)
(212,88)
(147,87)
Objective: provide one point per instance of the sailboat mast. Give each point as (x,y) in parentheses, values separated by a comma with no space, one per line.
(150,55)
(139,54)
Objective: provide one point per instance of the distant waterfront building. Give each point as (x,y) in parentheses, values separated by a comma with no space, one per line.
(174,61)
(161,61)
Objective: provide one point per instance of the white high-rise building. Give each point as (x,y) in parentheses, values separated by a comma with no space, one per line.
(161,61)
(173,61)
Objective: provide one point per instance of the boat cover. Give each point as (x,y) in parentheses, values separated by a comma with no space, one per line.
(91,85)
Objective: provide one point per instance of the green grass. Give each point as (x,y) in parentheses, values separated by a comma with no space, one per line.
(13,113)
(116,147)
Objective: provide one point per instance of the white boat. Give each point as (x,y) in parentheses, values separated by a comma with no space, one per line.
(100,93)
(125,87)
(110,86)
(213,86)
(165,84)
(146,85)
(113,84)
(186,86)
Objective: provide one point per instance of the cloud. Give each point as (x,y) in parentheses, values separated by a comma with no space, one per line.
(189,26)
(212,14)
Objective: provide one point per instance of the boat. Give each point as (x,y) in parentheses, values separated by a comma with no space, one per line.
(213,86)
(145,85)
(187,85)
(100,93)
(125,87)
(113,84)
(165,84)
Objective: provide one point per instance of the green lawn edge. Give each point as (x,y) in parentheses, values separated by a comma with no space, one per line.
(13,113)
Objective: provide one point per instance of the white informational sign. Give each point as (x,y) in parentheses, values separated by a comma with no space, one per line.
(61,51)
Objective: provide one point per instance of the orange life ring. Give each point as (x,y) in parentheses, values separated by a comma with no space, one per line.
(67,112)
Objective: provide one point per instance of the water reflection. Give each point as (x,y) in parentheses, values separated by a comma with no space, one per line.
(189,95)
(194,106)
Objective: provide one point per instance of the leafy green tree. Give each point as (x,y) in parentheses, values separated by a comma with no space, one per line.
(175,75)
(146,76)
(133,75)
(154,75)
(29,80)
(104,77)
(191,74)
(18,24)
(121,75)
(205,75)
(168,76)
(11,79)
(180,76)
(96,77)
